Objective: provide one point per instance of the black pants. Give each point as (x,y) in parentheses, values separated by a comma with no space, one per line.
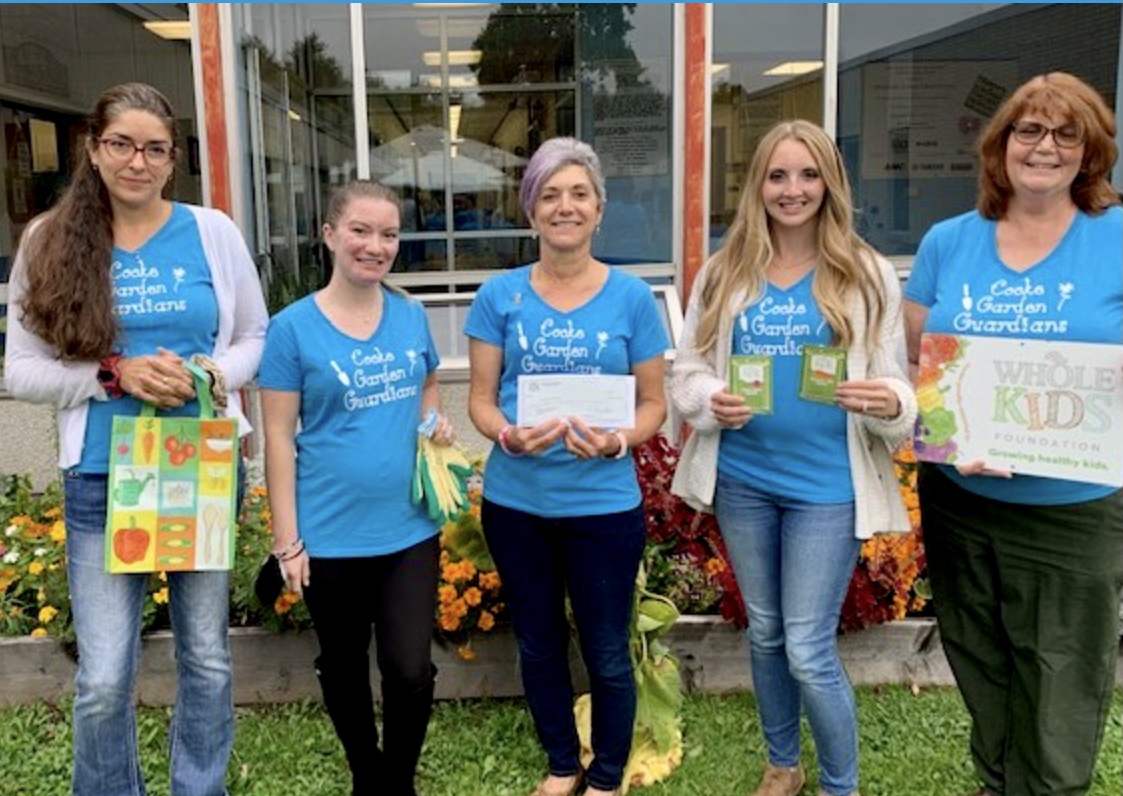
(396,594)
(1027,599)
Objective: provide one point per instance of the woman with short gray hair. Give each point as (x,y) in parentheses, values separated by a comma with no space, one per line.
(562,510)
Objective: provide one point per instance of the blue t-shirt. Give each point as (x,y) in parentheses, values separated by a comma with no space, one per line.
(163,297)
(799,451)
(1075,293)
(609,334)
(360,403)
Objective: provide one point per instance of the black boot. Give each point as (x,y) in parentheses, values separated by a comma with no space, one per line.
(405,719)
(348,699)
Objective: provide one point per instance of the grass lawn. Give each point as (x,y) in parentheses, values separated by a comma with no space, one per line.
(912,745)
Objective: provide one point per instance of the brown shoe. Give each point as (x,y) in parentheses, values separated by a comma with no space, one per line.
(780,781)
(542,790)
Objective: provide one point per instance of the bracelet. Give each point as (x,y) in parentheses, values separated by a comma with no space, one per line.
(620,454)
(289,551)
(218,379)
(109,375)
(504,435)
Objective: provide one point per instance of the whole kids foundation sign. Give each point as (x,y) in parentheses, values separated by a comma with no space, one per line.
(1030,406)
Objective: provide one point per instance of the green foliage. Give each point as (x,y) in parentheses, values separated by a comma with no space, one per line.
(659,687)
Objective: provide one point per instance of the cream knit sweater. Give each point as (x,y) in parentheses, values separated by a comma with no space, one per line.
(871,441)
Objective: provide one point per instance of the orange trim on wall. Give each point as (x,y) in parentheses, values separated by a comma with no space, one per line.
(218,154)
(694,136)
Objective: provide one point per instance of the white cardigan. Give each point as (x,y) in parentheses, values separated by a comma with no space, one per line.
(34,372)
(871,441)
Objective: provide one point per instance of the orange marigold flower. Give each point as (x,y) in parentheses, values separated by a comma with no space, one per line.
(466,653)
(458,608)
(446,594)
(444,559)
(473,596)
(486,621)
(714,566)
(257,491)
(286,601)
(489,581)
(469,569)
(449,623)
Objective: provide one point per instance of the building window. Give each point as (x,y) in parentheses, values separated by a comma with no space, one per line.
(917,83)
(458,98)
(767,67)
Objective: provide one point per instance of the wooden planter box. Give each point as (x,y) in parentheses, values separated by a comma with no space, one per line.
(272,667)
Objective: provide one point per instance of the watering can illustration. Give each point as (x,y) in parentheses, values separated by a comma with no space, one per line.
(129,489)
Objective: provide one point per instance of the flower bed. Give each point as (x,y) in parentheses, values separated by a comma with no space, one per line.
(685,561)
(888,582)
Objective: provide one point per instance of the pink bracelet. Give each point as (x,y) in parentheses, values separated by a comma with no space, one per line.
(504,435)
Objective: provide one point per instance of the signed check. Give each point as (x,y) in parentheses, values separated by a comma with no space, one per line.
(600,401)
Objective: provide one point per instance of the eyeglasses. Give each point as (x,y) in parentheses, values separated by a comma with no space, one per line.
(156,153)
(1066,136)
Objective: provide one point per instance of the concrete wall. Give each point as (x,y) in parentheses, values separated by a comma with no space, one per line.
(28,441)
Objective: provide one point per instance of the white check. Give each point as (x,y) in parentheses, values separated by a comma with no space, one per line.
(600,401)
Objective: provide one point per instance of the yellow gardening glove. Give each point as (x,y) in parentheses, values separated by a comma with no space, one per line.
(443,472)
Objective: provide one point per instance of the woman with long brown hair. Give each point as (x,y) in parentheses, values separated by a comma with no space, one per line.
(112,291)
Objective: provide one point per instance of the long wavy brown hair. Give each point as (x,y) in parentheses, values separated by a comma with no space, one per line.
(69,297)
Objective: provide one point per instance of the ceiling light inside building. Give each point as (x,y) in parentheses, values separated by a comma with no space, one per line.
(789,68)
(455,57)
(454,112)
(174,29)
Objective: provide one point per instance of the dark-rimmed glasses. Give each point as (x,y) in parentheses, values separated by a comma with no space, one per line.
(155,153)
(1067,136)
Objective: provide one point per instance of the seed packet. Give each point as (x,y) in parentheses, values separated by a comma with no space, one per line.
(824,368)
(750,376)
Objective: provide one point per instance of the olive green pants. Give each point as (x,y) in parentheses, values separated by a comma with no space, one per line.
(1027,599)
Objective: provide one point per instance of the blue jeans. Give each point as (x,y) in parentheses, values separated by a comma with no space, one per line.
(595,559)
(107,618)
(793,563)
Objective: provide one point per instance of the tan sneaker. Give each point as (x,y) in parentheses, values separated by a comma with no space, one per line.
(780,781)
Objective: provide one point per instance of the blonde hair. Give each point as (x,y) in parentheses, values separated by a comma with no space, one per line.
(845,262)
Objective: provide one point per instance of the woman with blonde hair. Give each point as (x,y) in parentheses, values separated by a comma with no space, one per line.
(795,491)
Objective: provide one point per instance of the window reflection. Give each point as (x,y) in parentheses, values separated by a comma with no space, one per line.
(458,99)
(767,67)
(300,114)
(918,83)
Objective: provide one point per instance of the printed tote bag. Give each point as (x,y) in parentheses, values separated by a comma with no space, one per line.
(172,482)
